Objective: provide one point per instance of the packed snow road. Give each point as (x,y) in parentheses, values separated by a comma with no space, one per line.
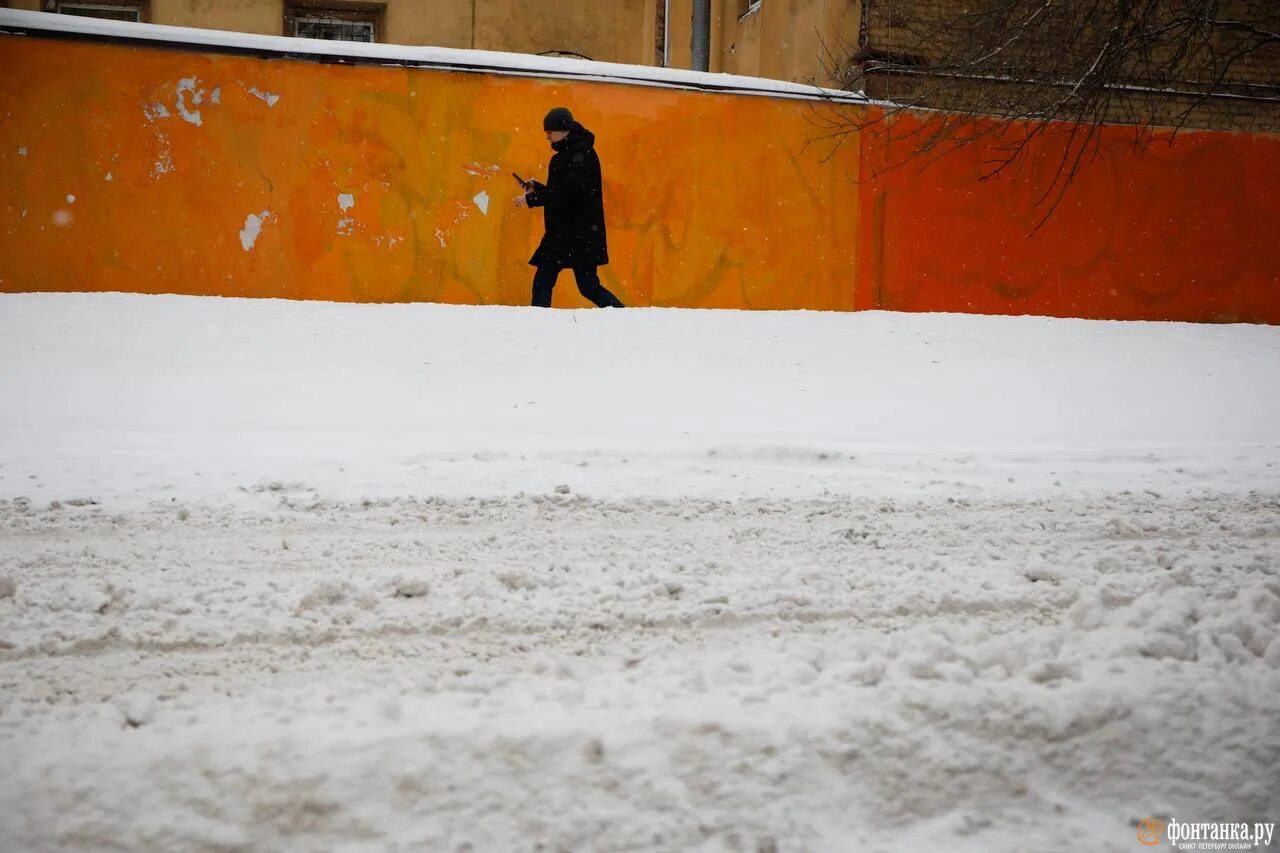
(688,674)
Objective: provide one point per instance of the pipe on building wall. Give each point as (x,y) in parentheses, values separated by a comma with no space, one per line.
(701,35)
(666,33)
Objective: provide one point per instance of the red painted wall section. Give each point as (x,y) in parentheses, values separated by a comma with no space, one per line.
(1187,230)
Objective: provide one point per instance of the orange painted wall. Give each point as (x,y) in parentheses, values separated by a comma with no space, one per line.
(713,200)
(704,209)
(1189,230)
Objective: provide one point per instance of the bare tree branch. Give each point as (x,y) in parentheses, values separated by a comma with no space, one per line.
(1007,73)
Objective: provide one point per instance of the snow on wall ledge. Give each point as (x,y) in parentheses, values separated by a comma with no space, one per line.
(160,159)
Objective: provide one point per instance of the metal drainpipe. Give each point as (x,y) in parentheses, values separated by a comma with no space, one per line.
(666,33)
(701,35)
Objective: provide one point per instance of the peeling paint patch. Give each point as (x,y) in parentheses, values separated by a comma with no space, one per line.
(165,164)
(482,201)
(62,218)
(252,228)
(268,97)
(216,95)
(188,84)
(346,201)
(71,199)
(109,177)
(440,238)
(480,170)
(22,151)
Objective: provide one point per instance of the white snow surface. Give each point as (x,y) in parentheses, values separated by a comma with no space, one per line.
(295,575)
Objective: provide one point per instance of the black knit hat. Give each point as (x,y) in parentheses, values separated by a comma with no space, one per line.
(558,119)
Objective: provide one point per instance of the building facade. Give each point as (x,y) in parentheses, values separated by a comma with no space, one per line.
(804,41)
(797,40)
(606,30)
(860,44)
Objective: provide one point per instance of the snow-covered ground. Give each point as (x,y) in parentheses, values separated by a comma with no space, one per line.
(334,577)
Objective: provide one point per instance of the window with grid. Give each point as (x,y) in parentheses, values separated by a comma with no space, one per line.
(312,22)
(110,11)
(746,7)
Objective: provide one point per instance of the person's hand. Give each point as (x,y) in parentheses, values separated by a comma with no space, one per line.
(521,201)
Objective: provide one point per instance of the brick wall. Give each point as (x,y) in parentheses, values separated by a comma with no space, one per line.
(923,34)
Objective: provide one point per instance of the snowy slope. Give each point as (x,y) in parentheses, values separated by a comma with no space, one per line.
(136,397)
(281,575)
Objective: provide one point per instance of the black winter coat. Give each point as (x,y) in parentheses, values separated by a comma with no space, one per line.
(573,205)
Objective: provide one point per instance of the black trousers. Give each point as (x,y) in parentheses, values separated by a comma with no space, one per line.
(588,285)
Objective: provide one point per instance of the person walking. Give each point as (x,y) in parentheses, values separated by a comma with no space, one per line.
(573,213)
